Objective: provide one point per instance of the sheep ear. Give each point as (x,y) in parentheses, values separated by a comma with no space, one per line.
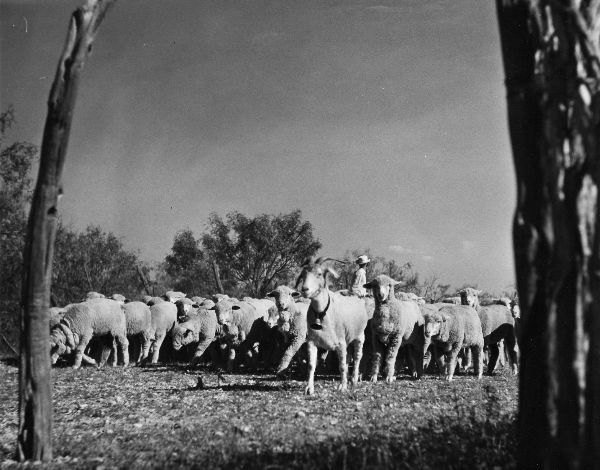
(393,282)
(214,307)
(271,294)
(235,307)
(368,285)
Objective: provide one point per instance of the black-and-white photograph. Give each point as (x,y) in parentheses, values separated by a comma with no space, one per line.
(281,234)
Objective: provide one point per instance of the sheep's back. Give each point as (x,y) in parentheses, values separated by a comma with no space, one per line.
(163,316)
(494,317)
(138,317)
(97,316)
(244,317)
(463,325)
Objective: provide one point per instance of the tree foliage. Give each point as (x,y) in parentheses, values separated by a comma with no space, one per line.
(187,265)
(16,161)
(256,253)
(93,260)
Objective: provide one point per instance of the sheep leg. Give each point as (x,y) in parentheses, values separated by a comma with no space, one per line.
(79,350)
(494,353)
(156,348)
(390,358)
(312,365)
(416,362)
(123,343)
(478,360)
(106,351)
(144,348)
(231,359)
(452,358)
(202,346)
(289,354)
(511,349)
(342,354)
(377,350)
(358,352)
(88,360)
(501,354)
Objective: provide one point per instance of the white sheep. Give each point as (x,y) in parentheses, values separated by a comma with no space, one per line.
(138,317)
(497,324)
(82,321)
(198,327)
(394,324)
(334,321)
(448,330)
(291,322)
(163,318)
(237,320)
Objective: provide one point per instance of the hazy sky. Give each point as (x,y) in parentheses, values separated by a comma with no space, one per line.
(384,122)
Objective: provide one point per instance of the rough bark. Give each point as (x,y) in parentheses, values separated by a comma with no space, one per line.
(551,59)
(35,406)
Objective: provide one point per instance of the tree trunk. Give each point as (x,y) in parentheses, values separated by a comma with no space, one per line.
(551,61)
(144,280)
(34,440)
(215,268)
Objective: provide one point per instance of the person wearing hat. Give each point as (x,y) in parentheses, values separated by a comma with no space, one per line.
(360,277)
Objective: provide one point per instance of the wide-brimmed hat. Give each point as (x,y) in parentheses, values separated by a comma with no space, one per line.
(364,259)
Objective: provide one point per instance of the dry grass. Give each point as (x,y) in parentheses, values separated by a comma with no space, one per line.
(155,417)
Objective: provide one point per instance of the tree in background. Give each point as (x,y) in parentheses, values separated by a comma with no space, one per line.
(15,196)
(432,291)
(187,266)
(93,260)
(255,254)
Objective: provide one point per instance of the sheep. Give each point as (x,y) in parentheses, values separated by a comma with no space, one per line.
(138,318)
(406,296)
(149,300)
(184,306)
(95,317)
(173,296)
(56,315)
(93,295)
(451,328)
(395,322)
(237,319)
(497,324)
(119,298)
(291,323)
(163,318)
(199,326)
(451,300)
(334,321)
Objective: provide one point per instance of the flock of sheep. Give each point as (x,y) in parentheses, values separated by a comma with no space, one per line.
(275,328)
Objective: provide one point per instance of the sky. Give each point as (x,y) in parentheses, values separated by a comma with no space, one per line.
(383,121)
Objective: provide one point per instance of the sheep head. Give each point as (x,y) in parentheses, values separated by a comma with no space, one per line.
(61,341)
(183,336)
(224,311)
(470,297)
(283,296)
(313,277)
(382,287)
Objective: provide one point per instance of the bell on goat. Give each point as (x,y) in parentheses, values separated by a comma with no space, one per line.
(317,324)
